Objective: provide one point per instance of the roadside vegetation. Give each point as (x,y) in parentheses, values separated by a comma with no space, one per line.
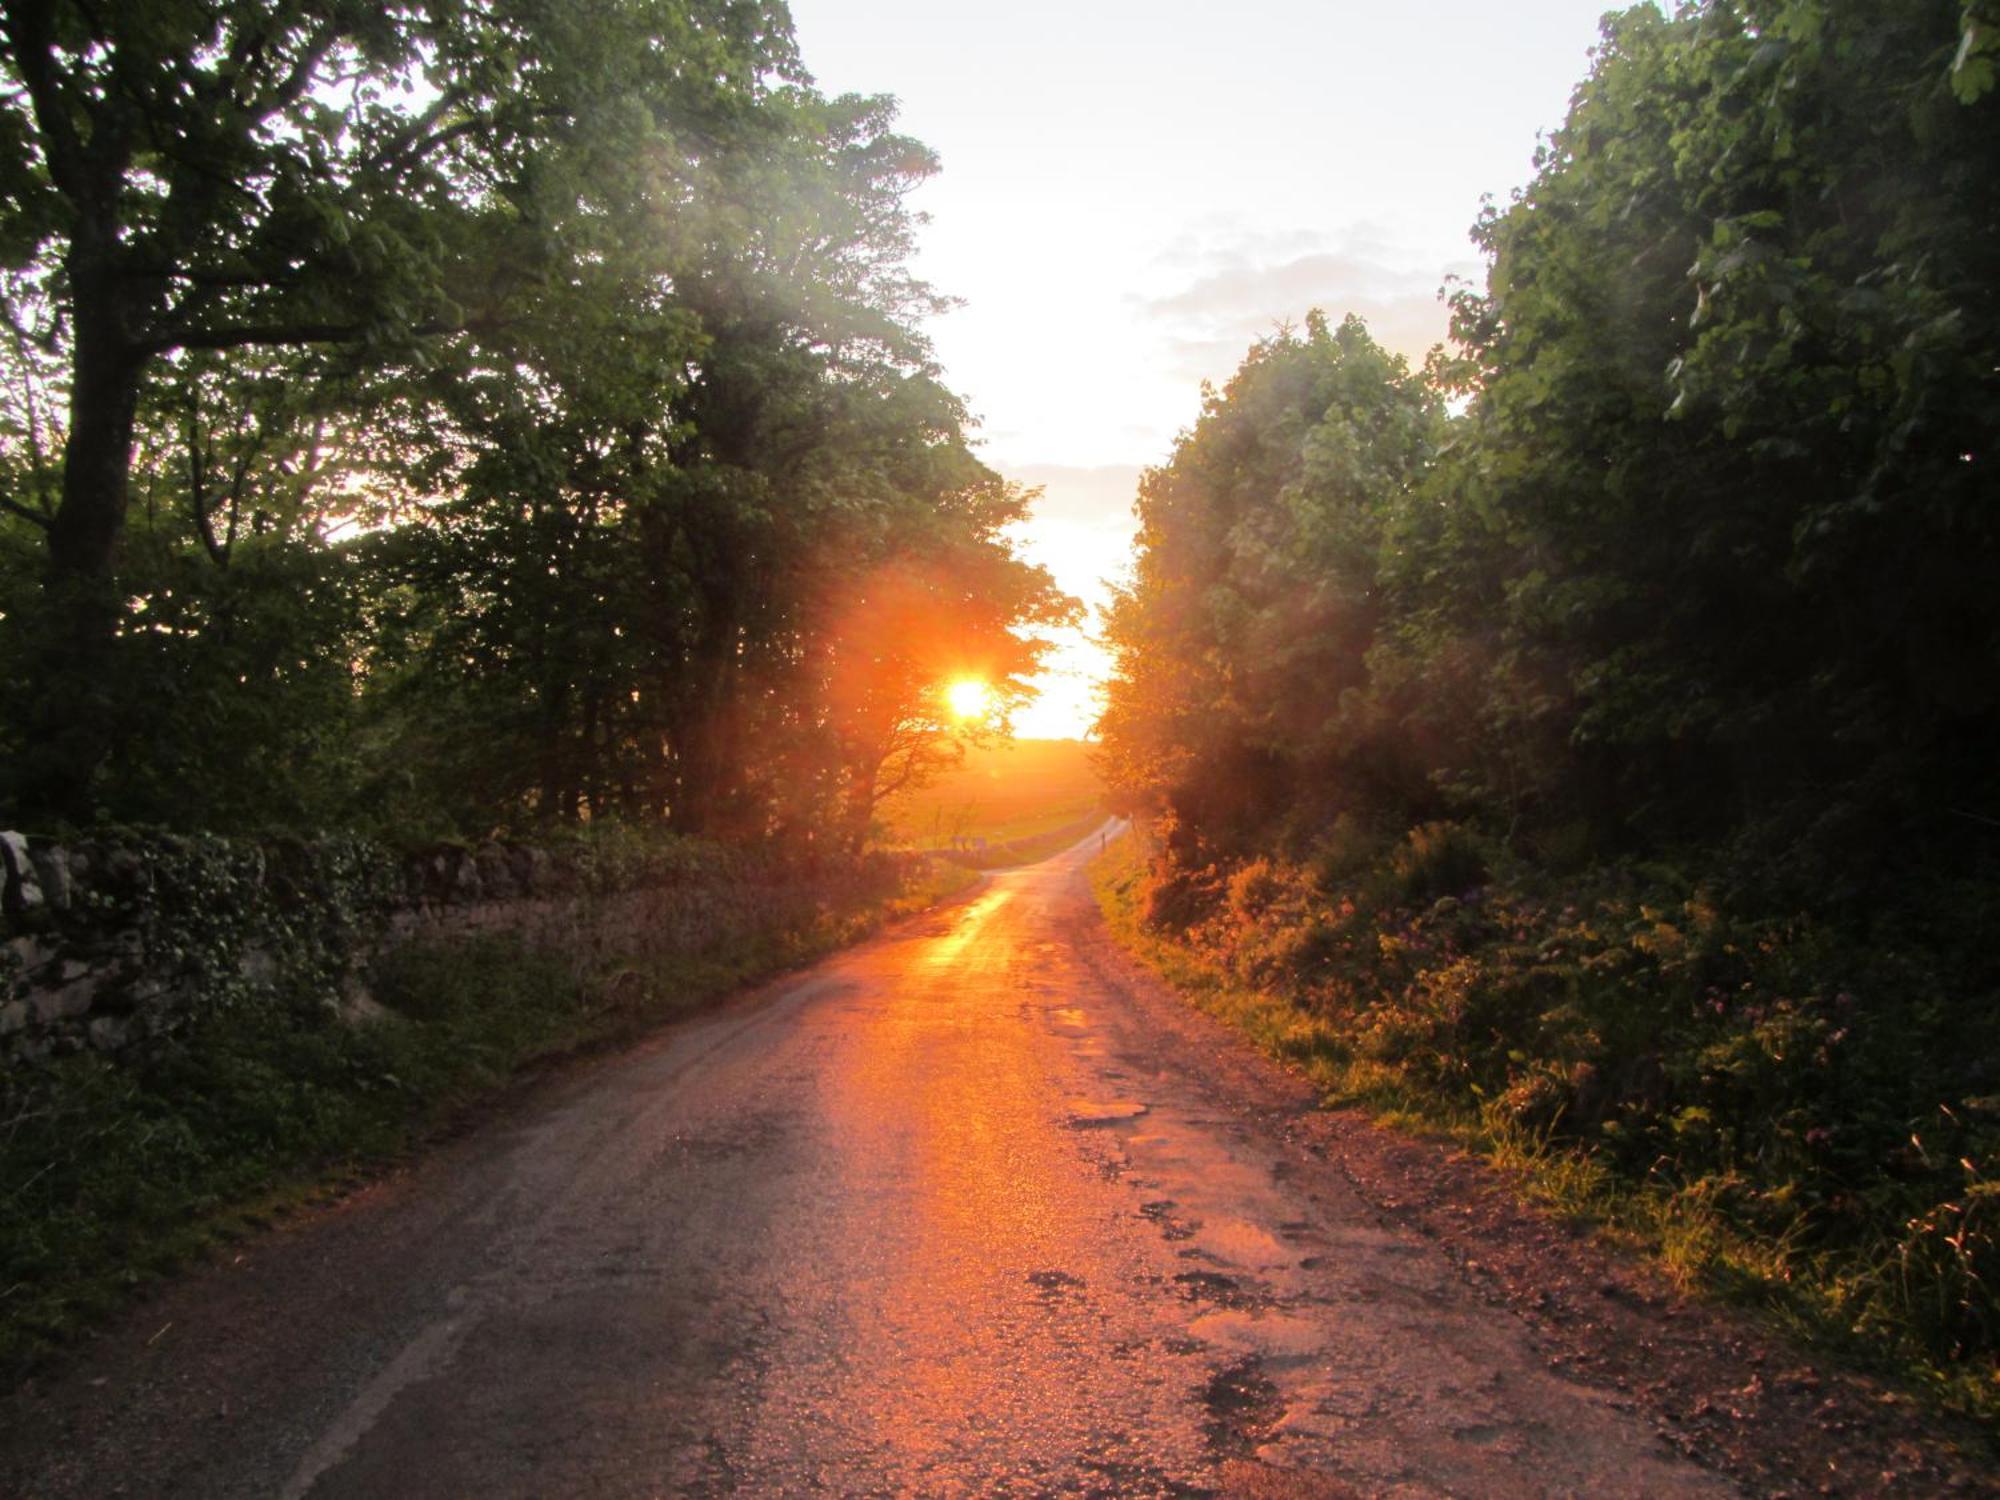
(1662,1073)
(116,1170)
(1586,743)
(1027,848)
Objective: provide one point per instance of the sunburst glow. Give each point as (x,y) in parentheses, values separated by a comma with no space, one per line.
(968,698)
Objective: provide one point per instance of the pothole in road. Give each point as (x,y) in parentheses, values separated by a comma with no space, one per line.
(750,1135)
(1086,1113)
(1214,1287)
(1242,1404)
(1239,1242)
(1260,1332)
(1161,1212)
(1053,1284)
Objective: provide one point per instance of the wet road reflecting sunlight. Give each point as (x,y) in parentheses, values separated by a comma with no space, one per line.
(972,1209)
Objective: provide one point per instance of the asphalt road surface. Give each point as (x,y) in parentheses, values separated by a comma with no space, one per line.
(975,1208)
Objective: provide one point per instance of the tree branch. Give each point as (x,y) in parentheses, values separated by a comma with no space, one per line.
(285,94)
(15,508)
(296,335)
(30,40)
(165,271)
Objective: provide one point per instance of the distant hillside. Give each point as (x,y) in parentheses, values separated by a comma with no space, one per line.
(1006,791)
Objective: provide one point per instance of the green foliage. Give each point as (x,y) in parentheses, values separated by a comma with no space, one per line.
(1734,383)
(1242,644)
(508,446)
(1437,860)
(116,1171)
(1604,762)
(1761,1099)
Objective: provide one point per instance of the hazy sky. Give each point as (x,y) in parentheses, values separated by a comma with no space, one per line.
(1132,193)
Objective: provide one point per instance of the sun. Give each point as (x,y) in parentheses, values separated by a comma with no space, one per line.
(968,698)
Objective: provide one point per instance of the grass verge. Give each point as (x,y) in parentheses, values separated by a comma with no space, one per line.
(1841,1298)
(115,1173)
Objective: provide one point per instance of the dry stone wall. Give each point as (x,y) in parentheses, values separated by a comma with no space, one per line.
(118,940)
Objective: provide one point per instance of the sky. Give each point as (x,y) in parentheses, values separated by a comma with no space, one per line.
(1133,193)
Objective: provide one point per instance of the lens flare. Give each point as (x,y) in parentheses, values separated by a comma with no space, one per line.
(968,698)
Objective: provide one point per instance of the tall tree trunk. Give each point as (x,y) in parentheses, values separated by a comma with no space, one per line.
(558,805)
(97,457)
(709,752)
(709,755)
(71,643)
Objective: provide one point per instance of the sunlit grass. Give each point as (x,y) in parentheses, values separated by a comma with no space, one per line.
(1821,1300)
(1019,789)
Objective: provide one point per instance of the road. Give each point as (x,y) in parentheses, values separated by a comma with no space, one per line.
(972,1209)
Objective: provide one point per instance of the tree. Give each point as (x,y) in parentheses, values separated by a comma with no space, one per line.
(950,601)
(1735,387)
(184,177)
(1706,564)
(1243,644)
(652,495)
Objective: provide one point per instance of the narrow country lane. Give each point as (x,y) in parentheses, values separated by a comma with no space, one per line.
(971,1209)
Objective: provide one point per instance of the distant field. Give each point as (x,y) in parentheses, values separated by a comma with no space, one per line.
(1010,791)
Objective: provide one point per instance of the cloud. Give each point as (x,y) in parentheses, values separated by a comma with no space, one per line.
(1090,497)
(1246,285)
(1219,240)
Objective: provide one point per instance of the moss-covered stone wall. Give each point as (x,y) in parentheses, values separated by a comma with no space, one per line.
(118,939)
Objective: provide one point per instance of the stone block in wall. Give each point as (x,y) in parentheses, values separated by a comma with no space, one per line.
(29,957)
(65,1002)
(422,876)
(127,992)
(122,872)
(561,873)
(257,965)
(357,1005)
(496,872)
(446,873)
(52,865)
(22,890)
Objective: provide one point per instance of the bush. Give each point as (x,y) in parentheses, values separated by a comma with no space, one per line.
(1345,851)
(1254,889)
(1177,899)
(1437,859)
(1787,1098)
